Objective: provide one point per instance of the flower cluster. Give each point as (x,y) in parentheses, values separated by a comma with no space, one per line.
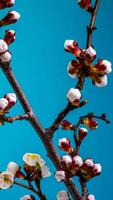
(97,72)
(76,166)
(11,18)
(34,167)
(7,102)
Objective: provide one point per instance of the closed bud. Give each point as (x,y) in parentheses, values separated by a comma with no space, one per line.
(64,144)
(74,96)
(85,4)
(3,105)
(9,36)
(3,46)
(65,125)
(27,197)
(77,161)
(13,168)
(90,197)
(89,163)
(102,81)
(82,134)
(5,57)
(60,175)
(90,54)
(74,69)
(66,161)
(72,47)
(90,123)
(11,18)
(11,98)
(97,169)
(6,3)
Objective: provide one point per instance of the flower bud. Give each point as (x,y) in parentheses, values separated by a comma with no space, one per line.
(3,105)
(3,46)
(6,3)
(60,175)
(11,98)
(107,65)
(65,125)
(89,163)
(27,197)
(6,180)
(102,81)
(97,169)
(82,134)
(77,161)
(74,96)
(5,57)
(85,4)
(66,161)
(90,197)
(11,18)
(64,144)
(72,47)
(62,195)
(9,36)
(13,168)
(90,54)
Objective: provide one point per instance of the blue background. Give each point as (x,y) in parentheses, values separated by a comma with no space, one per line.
(39,63)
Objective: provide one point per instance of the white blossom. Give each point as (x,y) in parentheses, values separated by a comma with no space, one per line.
(90,52)
(68,43)
(67,160)
(6,180)
(108,65)
(5,57)
(32,159)
(3,103)
(89,162)
(77,160)
(91,197)
(11,97)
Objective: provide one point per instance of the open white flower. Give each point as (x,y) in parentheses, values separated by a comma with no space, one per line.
(45,171)
(62,195)
(13,168)
(6,180)
(32,159)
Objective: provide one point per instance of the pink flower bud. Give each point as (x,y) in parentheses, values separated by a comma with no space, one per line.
(82,134)
(3,46)
(77,161)
(13,168)
(3,105)
(97,169)
(89,163)
(66,161)
(11,98)
(102,81)
(6,3)
(85,4)
(72,47)
(74,95)
(9,36)
(107,66)
(90,54)
(60,175)
(65,125)
(90,197)
(11,18)
(64,144)
(5,57)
